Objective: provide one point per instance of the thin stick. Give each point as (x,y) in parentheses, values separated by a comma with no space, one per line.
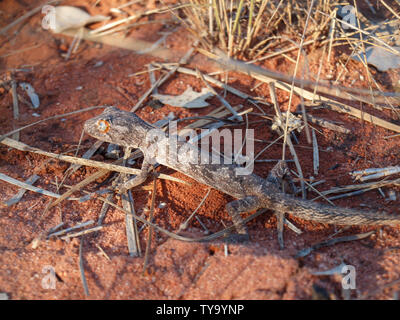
(184,225)
(78,226)
(104,210)
(15,136)
(369,186)
(28,186)
(210,79)
(210,237)
(327,124)
(262,74)
(87,155)
(86,162)
(315,153)
(81,269)
(103,252)
(312,187)
(326,243)
(289,140)
(329,103)
(55,228)
(81,233)
(146,256)
(292,88)
(31,180)
(161,80)
(223,101)
(130,223)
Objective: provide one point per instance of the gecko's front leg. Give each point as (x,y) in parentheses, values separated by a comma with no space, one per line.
(137,180)
(234,209)
(279,174)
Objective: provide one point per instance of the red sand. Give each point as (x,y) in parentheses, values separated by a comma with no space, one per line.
(177,270)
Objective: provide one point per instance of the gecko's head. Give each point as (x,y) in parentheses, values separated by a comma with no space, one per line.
(117,126)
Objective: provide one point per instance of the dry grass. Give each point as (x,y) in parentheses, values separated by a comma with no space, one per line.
(248,28)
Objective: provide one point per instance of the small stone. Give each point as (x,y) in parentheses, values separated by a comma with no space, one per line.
(392,195)
(3,296)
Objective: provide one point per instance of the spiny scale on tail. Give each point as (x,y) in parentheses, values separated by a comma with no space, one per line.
(318,212)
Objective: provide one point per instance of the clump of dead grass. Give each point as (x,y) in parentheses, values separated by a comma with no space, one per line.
(248,28)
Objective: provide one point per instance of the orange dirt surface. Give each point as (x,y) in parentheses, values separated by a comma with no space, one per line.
(101,75)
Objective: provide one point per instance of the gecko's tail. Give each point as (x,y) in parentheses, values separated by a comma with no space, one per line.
(314,211)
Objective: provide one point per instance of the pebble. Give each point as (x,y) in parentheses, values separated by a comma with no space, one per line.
(3,296)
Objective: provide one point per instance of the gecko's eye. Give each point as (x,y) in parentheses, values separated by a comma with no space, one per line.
(103,125)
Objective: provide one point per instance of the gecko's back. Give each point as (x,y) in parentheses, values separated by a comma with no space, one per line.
(127,129)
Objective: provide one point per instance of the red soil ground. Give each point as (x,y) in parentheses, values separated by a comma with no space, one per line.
(177,270)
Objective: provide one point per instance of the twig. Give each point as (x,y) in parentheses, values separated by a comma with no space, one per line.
(327,124)
(148,244)
(210,237)
(223,101)
(91,163)
(326,243)
(315,153)
(161,80)
(104,210)
(289,140)
(15,136)
(311,186)
(31,180)
(81,233)
(55,228)
(29,187)
(281,81)
(87,155)
(130,223)
(350,194)
(103,252)
(152,77)
(374,173)
(184,225)
(78,226)
(209,79)
(370,186)
(81,269)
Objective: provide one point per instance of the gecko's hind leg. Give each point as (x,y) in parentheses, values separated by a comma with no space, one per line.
(138,179)
(234,209)
(280,173)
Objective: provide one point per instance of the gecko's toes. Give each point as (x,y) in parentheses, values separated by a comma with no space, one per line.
(238,238)
(120,189)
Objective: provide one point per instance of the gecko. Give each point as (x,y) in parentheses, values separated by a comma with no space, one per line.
(251,191)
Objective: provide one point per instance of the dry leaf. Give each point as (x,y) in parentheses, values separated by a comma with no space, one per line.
(189,99)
